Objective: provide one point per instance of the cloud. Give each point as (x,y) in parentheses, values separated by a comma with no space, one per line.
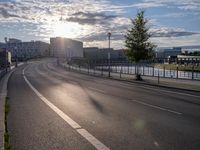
(90,18)
(167,32)
(5,14)
(176,41)
(147,5)
(192,5)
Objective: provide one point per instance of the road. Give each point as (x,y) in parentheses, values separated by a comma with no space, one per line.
(51,108)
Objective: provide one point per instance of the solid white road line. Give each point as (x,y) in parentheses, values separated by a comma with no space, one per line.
(157,107)
(91,139)
(97,90)
(96,143)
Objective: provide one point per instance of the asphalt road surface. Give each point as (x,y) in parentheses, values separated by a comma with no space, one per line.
(51,108)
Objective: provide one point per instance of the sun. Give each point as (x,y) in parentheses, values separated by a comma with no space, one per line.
(66,29)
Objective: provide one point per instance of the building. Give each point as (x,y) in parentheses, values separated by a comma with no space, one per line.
(2,45)
(25,50)
(95,53)
(184,59)
(90,52)
(163,53)
(5,58)
(66,48)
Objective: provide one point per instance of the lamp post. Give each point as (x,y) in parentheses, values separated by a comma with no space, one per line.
(16,57)
(109,35)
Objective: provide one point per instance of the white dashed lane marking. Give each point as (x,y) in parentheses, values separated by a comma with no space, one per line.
(157,107)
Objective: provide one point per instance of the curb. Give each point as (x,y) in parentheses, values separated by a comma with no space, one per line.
(3,94)
(155,85)
(2,104)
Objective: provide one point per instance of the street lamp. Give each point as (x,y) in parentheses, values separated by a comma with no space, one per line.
(109,35)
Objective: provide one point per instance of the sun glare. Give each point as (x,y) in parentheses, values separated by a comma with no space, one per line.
(67,29)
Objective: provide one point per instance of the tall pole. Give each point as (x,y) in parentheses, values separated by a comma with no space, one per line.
(109,35)
(16,57)
(6,63)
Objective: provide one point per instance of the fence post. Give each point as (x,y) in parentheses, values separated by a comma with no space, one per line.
(158,76)
(164,72)
(109,67)
(177,72)
(128,68)
(120,72)
(143,70)
(135,68)
(94,67)
(102,69)
(192,72)
(153,71)
(88,67)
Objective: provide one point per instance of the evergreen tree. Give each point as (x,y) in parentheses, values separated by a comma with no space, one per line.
(137,41)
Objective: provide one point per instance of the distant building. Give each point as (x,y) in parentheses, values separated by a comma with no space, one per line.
(95,53)
(26,50)
(184,59)
(90,52)
(191,48)
(2,45)
(66,48)
(5,58)
(166,52)
(13,40)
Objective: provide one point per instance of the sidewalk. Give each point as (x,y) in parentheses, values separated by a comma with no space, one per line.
(3,94)
(2,127)
(191,85)
(176,83)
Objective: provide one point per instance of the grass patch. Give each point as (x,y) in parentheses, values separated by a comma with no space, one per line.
(6,135)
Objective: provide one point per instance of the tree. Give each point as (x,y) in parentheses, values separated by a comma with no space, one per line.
(137,42)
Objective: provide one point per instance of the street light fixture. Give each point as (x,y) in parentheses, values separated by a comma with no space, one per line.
(109,35)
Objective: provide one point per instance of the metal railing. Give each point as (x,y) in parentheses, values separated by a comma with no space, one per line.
(102,67)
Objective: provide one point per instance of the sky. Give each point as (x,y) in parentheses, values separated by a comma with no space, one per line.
(171,22)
